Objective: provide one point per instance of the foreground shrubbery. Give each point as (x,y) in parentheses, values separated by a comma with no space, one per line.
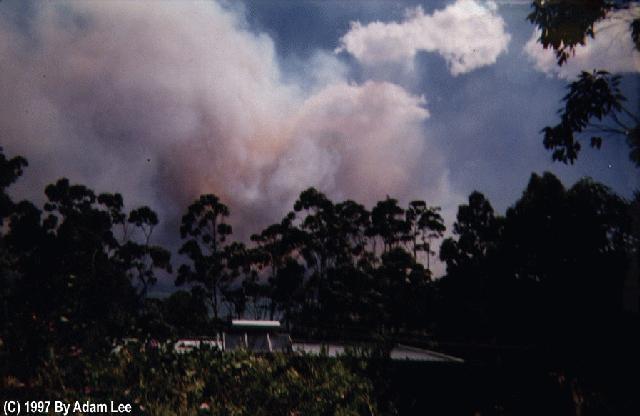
(207,382)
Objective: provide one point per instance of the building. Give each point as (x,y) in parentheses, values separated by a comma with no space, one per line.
(266,337)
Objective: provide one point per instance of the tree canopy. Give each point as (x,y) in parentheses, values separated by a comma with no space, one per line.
(594,105)
(77,273)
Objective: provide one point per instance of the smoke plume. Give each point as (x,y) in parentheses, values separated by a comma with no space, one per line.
(165,101)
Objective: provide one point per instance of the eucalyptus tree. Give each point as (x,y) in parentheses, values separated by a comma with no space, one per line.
(470,255)
(186,312)
(286,291)
(72,279)
(478,233)
(275,255)
(337,254)
(388,222)
(570,247)
(139,257)
(205,231)
(86,249)
(321,228)
(238,276)
(10,171)
(403,283)
(354,223)
(425,223)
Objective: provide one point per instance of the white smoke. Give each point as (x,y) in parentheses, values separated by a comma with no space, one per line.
(165,101)
(468,34)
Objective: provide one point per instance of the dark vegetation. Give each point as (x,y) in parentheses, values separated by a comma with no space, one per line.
(594,106)
(207,382)
(544,283)
(535,300)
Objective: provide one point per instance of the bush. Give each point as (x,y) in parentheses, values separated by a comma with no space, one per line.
(209,382)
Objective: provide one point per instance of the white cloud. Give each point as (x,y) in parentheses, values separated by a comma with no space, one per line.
(611,49)
(469,34)
(169,100)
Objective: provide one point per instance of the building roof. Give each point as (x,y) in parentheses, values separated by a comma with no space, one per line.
(247,323)
(399,352)
(406,352)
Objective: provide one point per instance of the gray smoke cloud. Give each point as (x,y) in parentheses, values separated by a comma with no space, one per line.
(165,101)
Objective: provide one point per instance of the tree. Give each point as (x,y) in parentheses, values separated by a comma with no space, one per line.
(594,96)
(354,225)
(141,260)
(471,260)
(286,287)
(425,223)
(238,278)
(388,222)
(478,231)
(95,291)
(402,281)
(570,248)
(275,251)
(336,249)
(321,229)
(565,24)
(10,171)
(71,289)
(186,312)
(205,231)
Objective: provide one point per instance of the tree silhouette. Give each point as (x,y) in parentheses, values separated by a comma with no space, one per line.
(425,223)
(471,260)
(205,231)
(186,312)
(565,24)
(275,250)
(388,222)
(594,96)
(478,231)
(321,231)
(10,171)
(141,260)
(403,283)
(71,288)
(575,253)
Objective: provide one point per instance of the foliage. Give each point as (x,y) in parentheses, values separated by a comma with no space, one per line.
(75,274)
(73,277)
(478,232)
(205,231)
(594,96)
(552,269)
(10,171)
(157,381)
(565,24)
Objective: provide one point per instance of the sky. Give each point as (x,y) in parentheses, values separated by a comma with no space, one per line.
(255,101)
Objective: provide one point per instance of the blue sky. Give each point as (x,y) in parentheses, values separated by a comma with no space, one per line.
(487,121)
(256,101)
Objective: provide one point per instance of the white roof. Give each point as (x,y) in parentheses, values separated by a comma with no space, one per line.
(406,352)
(255,323)
(399,352)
